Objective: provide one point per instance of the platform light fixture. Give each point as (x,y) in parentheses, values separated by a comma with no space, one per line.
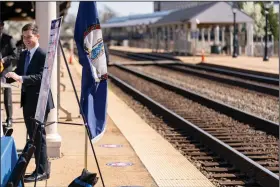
(10,4)
(267,6)
(18,10)
(32,6)
(234,10)
(23,14)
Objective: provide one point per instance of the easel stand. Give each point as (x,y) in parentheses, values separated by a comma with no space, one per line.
(84,120)
(29,149)
(40,127)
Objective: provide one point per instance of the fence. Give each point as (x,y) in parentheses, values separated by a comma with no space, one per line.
(186,47)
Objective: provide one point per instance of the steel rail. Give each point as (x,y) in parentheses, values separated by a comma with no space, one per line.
(252,169)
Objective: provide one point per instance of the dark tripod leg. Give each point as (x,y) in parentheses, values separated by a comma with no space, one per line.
(40,126)
(38,129)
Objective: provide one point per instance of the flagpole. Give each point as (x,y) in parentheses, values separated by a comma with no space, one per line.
(83,116)
(86,148)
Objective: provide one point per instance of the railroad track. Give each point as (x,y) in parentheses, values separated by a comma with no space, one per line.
(256,82)
(262,105)
(206,66)
(228,148)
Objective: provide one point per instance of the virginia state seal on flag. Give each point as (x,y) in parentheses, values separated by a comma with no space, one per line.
(94,47)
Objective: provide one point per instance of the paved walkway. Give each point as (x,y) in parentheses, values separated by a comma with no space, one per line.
(152,161)
(71,163)
(166,164)
(243,62)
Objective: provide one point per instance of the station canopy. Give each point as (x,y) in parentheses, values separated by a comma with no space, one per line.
(134,20)
(25,10)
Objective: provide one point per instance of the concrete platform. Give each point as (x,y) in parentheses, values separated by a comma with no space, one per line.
(243,62)
(167,166)
(151,161)
(71,163)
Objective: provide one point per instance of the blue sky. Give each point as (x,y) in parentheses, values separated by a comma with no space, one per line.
(122,8)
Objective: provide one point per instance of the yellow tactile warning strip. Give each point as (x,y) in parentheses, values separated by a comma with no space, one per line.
(166,165)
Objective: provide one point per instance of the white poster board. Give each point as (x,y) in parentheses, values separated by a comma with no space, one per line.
(45,84)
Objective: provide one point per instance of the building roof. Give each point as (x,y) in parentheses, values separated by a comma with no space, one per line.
(183,15)
(140,19)
(131,23)
(214,12)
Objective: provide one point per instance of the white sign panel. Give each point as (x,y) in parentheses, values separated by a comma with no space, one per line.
(45,84)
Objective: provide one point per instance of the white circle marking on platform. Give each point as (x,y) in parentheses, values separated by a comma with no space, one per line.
(119,164)
(110,145)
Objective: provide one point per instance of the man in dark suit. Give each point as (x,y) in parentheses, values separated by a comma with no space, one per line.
(29,72)
(8,57)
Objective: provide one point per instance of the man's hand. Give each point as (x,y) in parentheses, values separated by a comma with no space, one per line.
(1,65)
(14,76)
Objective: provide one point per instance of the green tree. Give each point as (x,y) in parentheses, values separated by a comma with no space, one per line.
(255,12)
(240,4)
(272,20)
(106,14)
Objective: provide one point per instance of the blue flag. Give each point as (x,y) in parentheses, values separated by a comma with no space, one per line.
(89,41)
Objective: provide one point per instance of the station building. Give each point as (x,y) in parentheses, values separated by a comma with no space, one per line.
(187,28)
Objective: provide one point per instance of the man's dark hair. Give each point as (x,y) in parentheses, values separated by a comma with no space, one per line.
(31,26)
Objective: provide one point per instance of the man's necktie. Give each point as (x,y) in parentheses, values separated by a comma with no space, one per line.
(26,64)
